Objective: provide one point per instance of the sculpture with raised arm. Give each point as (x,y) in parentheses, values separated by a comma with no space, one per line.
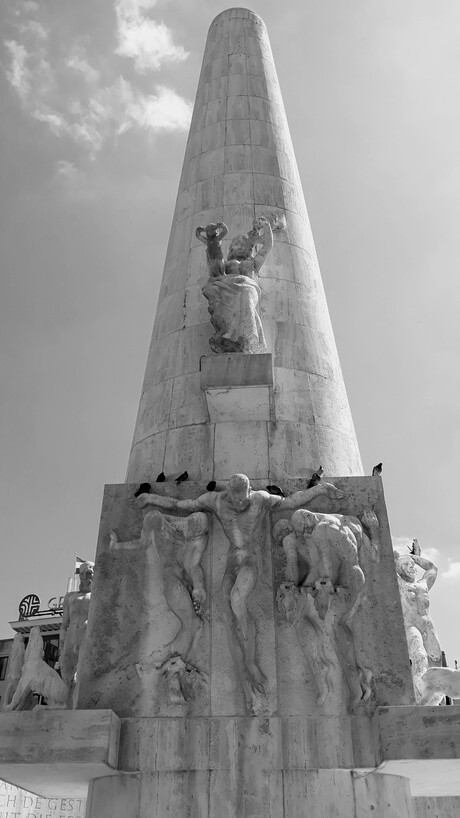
(243,514)
(422,639)
(233,293)
(73,629)
(212,236)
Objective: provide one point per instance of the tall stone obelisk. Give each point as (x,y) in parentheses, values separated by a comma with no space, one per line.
(242,691)
(239,164)
(245,653)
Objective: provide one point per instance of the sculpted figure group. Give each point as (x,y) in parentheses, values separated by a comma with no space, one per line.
(232,290)
(322,592)
(243,514)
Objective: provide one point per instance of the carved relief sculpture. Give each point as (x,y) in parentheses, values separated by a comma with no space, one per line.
(73,628)
(232,291)
(243,514)
(38,678)
(422,639)
(322,592)
(180,544)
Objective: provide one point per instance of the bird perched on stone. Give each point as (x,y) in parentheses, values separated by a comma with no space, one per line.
(275,490)
(144,488)
(161,477)
(211,485)
(377,470)
(182,477)
(316,477)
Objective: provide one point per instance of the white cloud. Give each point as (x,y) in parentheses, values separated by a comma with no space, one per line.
(166,111)
(452,572)
(148,42)
(70,96)
(404,544)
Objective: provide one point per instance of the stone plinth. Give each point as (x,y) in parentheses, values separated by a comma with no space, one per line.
(423,744)
(57,752)
(130,621)
(237,388)
(270,794)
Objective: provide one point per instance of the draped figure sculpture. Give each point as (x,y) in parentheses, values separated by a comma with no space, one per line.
(231,290)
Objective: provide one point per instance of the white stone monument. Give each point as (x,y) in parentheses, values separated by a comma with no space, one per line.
(245,652)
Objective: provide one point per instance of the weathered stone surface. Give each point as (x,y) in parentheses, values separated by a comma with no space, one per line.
(420,732)
(17,803)
(437,807)
(57,753)
(261,793)
(130,622)
(239,166)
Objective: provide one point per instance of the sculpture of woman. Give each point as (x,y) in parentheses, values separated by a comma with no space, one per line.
(234,296)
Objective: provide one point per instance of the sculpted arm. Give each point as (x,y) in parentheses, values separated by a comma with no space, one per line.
(302,498)
(431,571)
(223,230)
(267,244)
(170,503)
(197,546)
(292,562)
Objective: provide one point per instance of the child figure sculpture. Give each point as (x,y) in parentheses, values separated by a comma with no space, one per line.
(212,236)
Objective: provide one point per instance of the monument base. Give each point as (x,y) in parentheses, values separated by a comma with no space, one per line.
(58,752)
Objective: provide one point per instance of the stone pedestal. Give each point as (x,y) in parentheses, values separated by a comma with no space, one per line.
(58,752)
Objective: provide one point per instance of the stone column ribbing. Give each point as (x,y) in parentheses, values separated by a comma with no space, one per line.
(239,164)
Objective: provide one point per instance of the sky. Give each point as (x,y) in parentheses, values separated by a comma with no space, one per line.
(96,98)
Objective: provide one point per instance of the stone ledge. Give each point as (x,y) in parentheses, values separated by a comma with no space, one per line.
(58,752)
(419,732)
(236,369)
(423,744)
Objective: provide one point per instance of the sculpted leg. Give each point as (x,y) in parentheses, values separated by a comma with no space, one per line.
(243,587)
(357,675)
(237,586)
(180,602)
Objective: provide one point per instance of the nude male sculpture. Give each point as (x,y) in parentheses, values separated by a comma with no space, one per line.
(73,628)
(242,514)
(422,639)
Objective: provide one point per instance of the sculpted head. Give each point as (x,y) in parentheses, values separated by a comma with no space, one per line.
(281,529)
(406,567)
(240,248)
(86,576)
(211,230)
(303,521)
(34,648)
(239,490)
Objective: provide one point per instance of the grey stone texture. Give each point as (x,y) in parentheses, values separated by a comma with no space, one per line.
(57,753)
(130,622)
(239,165)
